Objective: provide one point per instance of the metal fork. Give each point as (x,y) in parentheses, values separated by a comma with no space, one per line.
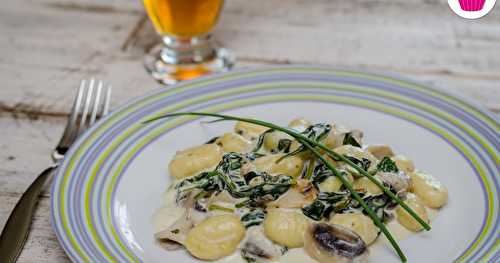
(91,103)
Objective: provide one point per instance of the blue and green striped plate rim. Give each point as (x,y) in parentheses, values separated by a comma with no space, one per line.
(86,182)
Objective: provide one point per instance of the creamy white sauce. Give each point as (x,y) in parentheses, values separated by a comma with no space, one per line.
(170,212)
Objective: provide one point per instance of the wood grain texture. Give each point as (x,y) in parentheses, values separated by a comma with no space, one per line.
(42,245)
(51,46)
(25,147)
(47,46)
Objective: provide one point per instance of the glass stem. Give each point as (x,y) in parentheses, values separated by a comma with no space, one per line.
(187,50)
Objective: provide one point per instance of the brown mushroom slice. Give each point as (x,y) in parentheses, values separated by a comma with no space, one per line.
(334,243)
(175,233)
(258,247)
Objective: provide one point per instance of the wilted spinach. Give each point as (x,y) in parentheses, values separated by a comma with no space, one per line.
(350,140)
(326,203)
(363,163)
(387,165)
(256,186)
(254,217)
(342,202)
(321,173)
(316,132)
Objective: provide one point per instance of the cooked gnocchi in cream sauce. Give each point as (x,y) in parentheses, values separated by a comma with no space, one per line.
(257,195)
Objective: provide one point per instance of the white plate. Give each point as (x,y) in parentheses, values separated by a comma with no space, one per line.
(114,178)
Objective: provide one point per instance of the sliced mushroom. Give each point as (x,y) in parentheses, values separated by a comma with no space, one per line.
(380,151)
(399,181)
(258,247)
(334,243)
(176,232)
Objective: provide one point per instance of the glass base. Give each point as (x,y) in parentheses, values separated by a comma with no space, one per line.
(169,73)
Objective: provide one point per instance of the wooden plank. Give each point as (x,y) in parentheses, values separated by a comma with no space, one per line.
(42,245)
(25,150)
(47,46)
(46,56)
(420,39)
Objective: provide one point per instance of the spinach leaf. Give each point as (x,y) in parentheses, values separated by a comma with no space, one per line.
(387,165)
(321,173)
(342,202)
(350,140)
(284,145)
(257,186)
(315,132)
(326,203)
(253,218)
(363,163)
(315,210)
(378,203)
(260,141)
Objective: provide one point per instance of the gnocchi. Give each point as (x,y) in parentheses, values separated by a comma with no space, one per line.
(248,193)
(380,151)
(194,160)
(359,154)
(249,130)
(405,219)
(403,163)
(359,223)
(428,189)
(215,237)
(299,124)
(333,184)
(364,184)
(277,141)
(233,142)
(336,136)
(291,166)
(286,228)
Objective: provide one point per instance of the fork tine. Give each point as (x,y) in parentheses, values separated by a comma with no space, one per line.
(97,103)
(90,104)
(82,124)
(107,100)
(69,130)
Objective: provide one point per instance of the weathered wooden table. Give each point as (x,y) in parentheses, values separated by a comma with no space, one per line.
(47,46)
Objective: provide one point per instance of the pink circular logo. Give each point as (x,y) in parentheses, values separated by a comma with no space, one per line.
(471,9)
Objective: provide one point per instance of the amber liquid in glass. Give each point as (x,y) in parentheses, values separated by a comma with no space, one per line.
(183,18)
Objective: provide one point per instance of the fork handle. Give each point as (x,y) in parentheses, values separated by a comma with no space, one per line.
(15,231)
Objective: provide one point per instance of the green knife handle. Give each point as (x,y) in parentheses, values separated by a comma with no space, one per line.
(15,232)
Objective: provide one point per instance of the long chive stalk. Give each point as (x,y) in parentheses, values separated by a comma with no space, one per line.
(296,135)
(424,224)
(354,194)
(308,143)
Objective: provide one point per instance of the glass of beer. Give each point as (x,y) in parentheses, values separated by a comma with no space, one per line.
(187,50)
